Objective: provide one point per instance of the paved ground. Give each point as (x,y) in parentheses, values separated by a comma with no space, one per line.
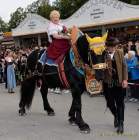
(38,126)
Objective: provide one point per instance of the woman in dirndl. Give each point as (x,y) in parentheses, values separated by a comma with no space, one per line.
(11,82)
(58,38)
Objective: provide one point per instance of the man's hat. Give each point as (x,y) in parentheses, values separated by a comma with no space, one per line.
(112,42)
(36,48)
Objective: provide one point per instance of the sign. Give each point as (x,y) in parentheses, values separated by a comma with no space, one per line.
(7,34)
(32,24)
(93,3)
(97,13)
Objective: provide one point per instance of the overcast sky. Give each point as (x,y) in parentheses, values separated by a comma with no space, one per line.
(9,6)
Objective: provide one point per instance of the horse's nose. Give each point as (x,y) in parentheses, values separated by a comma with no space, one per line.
(99,75)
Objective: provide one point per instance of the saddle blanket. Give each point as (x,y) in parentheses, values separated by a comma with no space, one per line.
(45,60)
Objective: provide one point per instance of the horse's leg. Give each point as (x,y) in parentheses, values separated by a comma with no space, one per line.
(72,119)
(77,106)
(22,110)
(27,93)
(44,93)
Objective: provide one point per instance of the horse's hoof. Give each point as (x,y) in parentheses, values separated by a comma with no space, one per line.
(72,122)
(51,113)
(22,112)
(85,129)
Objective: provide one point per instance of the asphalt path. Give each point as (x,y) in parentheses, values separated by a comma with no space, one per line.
(36,125)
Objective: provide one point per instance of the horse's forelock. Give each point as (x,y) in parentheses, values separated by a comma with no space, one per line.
(32,60)
(82,41)
(82,46)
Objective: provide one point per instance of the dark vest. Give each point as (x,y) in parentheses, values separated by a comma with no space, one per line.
(114,74)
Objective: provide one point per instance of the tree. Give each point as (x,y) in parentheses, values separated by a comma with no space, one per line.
(33,7)
(68,7)
(3,25)
(136,2)
(16,18)
(40,7)
(44,10)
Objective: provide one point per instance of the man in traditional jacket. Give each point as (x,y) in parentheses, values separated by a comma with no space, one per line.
(115,83)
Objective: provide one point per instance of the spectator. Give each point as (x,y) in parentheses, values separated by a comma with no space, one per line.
(1,71)
(11,82)
(133,72)
(137,49)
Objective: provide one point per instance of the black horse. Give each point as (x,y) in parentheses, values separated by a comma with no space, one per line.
(50,79)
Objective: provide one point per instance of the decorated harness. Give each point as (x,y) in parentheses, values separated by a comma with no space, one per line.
(97,45)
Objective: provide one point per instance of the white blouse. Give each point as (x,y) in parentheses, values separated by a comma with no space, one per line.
(54,29)
(9,59)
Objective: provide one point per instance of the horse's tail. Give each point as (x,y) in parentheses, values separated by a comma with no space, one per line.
(27,91)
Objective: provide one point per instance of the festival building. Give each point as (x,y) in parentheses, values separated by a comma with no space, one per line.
(95,16)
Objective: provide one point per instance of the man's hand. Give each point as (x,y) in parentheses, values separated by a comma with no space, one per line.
(124,84)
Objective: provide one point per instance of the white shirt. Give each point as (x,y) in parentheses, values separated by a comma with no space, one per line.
(54,29)
(8,59)
(111,55)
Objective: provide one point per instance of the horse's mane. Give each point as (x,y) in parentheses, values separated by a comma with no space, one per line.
(32,60)
(82,46)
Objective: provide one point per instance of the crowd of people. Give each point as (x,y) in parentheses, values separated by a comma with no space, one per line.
(12,67)
(131,51)
(14,62)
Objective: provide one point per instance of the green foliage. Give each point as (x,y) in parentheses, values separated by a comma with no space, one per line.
(3,26)
(16,18)
(68,7)
(135,2)
(44,10)
(33,7)
(40,7)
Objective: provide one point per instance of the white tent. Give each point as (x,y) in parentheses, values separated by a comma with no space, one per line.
(93,13)
(32,24)
(103,12)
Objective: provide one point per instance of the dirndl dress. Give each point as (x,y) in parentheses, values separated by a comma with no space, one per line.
(11,82)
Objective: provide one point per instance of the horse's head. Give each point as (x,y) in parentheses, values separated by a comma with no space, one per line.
(97,44)
(92,52)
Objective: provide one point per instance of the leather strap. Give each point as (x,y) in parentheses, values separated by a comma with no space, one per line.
(62,75)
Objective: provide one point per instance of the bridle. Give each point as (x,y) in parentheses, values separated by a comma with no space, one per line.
(96,66)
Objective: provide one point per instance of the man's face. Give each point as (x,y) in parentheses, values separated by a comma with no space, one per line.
(130,43)
(111,49)
(137,43)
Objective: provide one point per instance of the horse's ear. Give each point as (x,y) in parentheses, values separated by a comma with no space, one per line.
(105,36)
(89,39)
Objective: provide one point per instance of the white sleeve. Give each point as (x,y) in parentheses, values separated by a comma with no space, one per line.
(52,29)
(8,59)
